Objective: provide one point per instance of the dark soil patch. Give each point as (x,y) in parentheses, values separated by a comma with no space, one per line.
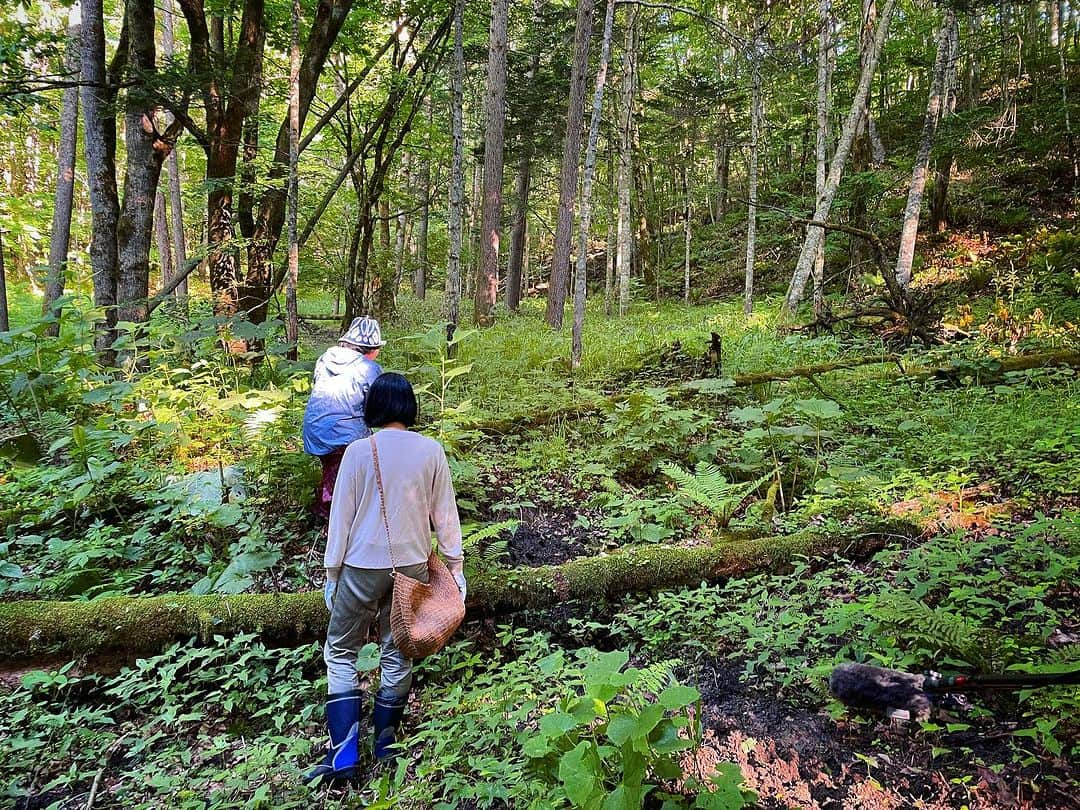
(795,756)
(549,538)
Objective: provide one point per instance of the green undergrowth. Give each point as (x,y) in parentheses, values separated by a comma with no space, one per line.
(235,724)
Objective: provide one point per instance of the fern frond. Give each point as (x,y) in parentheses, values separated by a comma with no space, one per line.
(707,486)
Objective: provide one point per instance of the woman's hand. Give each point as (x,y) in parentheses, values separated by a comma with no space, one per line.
(459,578)
(329,589)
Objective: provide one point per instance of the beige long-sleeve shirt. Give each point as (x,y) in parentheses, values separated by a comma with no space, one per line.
(419,496)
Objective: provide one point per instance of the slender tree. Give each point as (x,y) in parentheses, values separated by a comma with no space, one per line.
(910,228)
(568,175)
(487,276)
(172,163)
(161,238)
(60,238)
(98,95)
(5,320)
(805,263)
(752,170)
(457,174)
(624,236)
(581,274)
(291,327)
(821,144)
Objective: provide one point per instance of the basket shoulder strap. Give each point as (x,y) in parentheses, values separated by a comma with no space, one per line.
(382,500)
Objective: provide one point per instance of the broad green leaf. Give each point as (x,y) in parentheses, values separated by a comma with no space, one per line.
(676,697)
(556,724)
(578,773)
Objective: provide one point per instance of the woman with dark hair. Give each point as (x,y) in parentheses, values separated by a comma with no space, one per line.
(369,539)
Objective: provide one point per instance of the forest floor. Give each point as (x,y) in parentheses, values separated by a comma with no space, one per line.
(620,454)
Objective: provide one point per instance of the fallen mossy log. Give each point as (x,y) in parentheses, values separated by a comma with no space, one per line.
(150,624)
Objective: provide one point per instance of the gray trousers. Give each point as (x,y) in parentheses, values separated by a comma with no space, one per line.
(363,597)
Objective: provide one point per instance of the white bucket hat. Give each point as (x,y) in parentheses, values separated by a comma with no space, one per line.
(364,333)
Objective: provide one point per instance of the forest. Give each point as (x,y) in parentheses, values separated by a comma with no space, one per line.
(750,332)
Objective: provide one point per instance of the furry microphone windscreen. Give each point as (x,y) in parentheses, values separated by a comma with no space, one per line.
(868,687)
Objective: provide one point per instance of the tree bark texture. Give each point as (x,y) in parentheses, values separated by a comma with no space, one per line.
(99,136)
(60,237)
(292,334)
(805,263)
(457,174)
(624,237)
(752,170)
(420,274)
(518,225)
(568,174)
(172,164)
(487,276)
(147,624)
(161,238)
(146,151)
(5,319)
(582,272)
(910,229)
(821,145)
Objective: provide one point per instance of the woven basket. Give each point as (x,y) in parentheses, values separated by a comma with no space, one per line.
(423,616)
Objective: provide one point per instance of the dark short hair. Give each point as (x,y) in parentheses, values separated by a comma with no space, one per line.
(390,399)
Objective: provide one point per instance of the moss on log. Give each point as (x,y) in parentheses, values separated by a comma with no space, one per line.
(148,624)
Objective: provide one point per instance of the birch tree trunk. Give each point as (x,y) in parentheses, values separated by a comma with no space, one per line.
(821,146)
(752,170)
(805,263)
(99,136)
(688,212)
(60,238)
(624,229)
(580,276)
(457,176)
(401,227)
(910,229)
(292,333)
(568,175)
(172,164)
(487,275)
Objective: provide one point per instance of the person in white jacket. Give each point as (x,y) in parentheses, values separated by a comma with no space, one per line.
(334,415)
(362,554)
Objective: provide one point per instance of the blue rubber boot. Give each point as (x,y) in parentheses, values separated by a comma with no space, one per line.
(343,722)
(385,719)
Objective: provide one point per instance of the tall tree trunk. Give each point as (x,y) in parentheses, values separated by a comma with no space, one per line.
(519,220)
(568,175)
(939,200)
(99,134)
(401,227)
(688,212)
(172,164)
(805,264)
(385,298)
(161,237)
(5,320)
(146,152)
(420,274)
(65,178)
(821,146)
(518,227)
(292,333)
(863,148)
(581,275)
(457,175)
(752,170)
(624,235)
(910,229)
(487,276)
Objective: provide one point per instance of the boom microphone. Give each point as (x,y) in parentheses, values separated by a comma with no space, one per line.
(890,690)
